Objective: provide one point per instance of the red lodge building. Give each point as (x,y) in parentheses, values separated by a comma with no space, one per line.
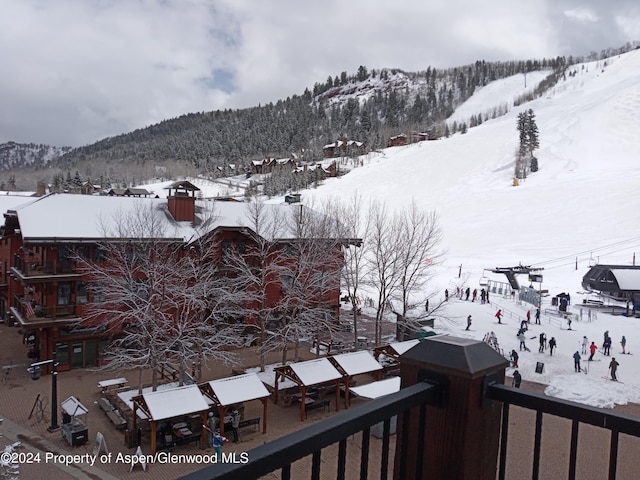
(42,291)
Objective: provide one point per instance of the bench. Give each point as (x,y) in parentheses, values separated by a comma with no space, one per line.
(105,405)
(112,413)
(106,385)
(117,419)
(250,421)
(324,404)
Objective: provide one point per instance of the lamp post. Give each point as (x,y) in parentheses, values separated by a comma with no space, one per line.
(54,389)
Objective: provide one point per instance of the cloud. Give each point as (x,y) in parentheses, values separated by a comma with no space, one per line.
(75,71)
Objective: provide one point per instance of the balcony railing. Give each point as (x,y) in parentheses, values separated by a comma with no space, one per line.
(27,268)
(454,417)
(283,452)
(30,311)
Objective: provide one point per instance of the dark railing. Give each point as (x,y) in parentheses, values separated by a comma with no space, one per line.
(33,268)
(281,453)
(616,423)
(456,426)
(37,312)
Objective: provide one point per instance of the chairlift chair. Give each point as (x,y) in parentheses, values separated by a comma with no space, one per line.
(484,280)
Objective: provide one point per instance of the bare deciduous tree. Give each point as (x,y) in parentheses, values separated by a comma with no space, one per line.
(164,301)
(351,222)
(418,248)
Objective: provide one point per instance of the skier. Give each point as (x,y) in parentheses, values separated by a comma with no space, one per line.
(517,379)
(426,305)
(487,295)
(514,358)
(568,323)
(218,440)
(585,344)
(474,295)
(538,316)
(552,345)
(543,342)
(468,322)
(499,316)
(521,337)
(592,349)
(467,292)
(613,367)
(483,295)
(523,325)
(576,361)
(623,343)
(607,346)
(528,316)
(446,295)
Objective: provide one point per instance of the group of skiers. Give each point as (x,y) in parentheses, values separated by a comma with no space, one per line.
(466,293)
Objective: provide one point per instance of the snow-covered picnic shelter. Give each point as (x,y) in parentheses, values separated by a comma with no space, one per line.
(354,363)
(171,403)
(378,389)
(307,374)
(226,392)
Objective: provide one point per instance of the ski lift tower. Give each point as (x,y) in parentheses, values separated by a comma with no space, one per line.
(511,272)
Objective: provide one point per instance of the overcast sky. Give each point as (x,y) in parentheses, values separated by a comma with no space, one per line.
(75,71)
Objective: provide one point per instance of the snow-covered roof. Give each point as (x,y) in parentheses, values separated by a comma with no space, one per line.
(10,202)
(402,347)
(628,279)
(175,402)
(315,371)
(72,406)
(355,363)
(98,217)
(378,389)
(241,388)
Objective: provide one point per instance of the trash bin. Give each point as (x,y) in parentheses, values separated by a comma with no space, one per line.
(35,372)
(554,301)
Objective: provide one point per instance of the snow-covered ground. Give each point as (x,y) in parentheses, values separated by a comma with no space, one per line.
(581,207)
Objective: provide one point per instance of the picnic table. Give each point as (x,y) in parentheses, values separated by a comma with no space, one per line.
(106,385)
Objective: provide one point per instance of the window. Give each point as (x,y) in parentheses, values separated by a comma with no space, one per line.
(227,250)
(64,253)
(241,247)
(64,293)
(98,254)
(97,292)
(83,251)
(62,352)
(81,292)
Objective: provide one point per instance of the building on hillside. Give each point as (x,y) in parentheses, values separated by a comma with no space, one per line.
(269,164)
(45,294)
(344,148)
(129,192)
(397,140)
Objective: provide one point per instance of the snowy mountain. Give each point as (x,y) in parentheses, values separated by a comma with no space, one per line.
(18,155)
(581,207)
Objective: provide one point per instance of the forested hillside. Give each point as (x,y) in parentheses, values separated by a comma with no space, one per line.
(369,106)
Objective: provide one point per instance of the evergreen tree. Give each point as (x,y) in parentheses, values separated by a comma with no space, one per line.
(529,141)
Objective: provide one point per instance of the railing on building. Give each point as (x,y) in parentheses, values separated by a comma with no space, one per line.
(283,452)
(32,311)
(33,268)
(453,418)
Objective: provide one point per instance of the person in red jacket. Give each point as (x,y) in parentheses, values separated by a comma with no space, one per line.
(592,349)
(499,316)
